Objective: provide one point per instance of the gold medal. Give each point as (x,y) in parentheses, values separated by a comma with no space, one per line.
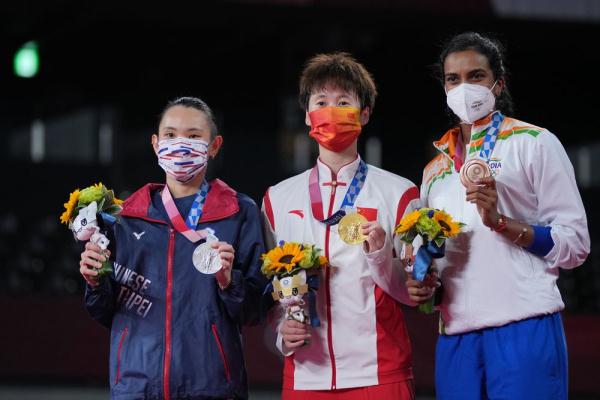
(473,170)
(350,228)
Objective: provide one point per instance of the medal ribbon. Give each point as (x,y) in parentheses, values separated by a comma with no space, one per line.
(316,201)
(195,213)
(458,153)
(490,138)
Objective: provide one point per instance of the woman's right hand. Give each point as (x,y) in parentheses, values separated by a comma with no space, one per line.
(421,292)
(295,334)
(91,260)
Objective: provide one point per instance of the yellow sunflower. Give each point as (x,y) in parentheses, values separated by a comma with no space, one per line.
(117,202)
(323,261)
(408,221)
(98,185)
(69,207)
(283,257)
(449,227)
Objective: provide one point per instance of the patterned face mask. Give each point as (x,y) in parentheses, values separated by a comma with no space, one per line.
(182,158)
(335,128)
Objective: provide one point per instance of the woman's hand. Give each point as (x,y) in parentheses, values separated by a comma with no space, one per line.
(375,236)
(91,260)
(421,292)
(485,196)
(227,254)
(295,334)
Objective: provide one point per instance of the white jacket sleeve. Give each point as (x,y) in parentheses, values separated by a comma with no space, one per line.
(388,272)
(386,268)
(559,202)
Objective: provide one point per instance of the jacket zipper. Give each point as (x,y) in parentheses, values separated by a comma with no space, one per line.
(123,336)
(221,351)
(168,315)
(327,285)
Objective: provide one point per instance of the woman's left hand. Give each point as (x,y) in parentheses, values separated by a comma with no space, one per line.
(227,254)
(485,196)
(375,236)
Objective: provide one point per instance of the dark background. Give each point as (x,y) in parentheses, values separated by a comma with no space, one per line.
(108,66)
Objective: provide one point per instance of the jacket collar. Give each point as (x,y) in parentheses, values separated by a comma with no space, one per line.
(221,202)
(345,174)
(483,122)
(447,143)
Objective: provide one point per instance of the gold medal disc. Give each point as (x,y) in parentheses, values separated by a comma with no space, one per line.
(349,228)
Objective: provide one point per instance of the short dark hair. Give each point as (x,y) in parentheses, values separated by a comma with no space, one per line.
(341,70)
(195,103)
(493,50)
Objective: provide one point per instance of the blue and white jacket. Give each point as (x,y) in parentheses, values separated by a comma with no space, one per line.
(174,332)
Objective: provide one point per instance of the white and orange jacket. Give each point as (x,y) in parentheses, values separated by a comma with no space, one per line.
(362,339)
(488,280)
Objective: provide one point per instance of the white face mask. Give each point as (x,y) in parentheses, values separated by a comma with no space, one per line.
(182,158)
(471,102)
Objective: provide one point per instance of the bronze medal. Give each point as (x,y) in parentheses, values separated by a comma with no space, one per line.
(474,170)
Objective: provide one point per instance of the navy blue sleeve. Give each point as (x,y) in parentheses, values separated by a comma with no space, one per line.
(100,301)
(542,241)
(242,297)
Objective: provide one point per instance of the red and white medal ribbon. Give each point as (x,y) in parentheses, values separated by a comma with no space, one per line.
(177,220)
(205,259)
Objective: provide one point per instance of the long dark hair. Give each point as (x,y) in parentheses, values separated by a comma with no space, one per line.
(493,50)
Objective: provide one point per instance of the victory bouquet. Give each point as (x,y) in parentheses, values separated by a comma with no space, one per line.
(427,229)
(81,216)
(293,269)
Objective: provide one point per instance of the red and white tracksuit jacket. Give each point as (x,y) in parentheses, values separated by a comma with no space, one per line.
(362,340)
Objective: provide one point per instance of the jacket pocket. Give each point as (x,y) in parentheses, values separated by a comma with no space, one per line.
(120,348)
(221,351)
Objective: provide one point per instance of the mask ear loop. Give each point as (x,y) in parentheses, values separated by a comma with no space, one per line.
(493,86)
(492,92)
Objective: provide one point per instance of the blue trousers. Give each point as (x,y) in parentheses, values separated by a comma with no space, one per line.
(524,360)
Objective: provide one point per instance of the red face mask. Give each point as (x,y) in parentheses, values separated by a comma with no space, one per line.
(335,128)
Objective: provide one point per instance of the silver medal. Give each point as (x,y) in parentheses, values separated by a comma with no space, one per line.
(206,259)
